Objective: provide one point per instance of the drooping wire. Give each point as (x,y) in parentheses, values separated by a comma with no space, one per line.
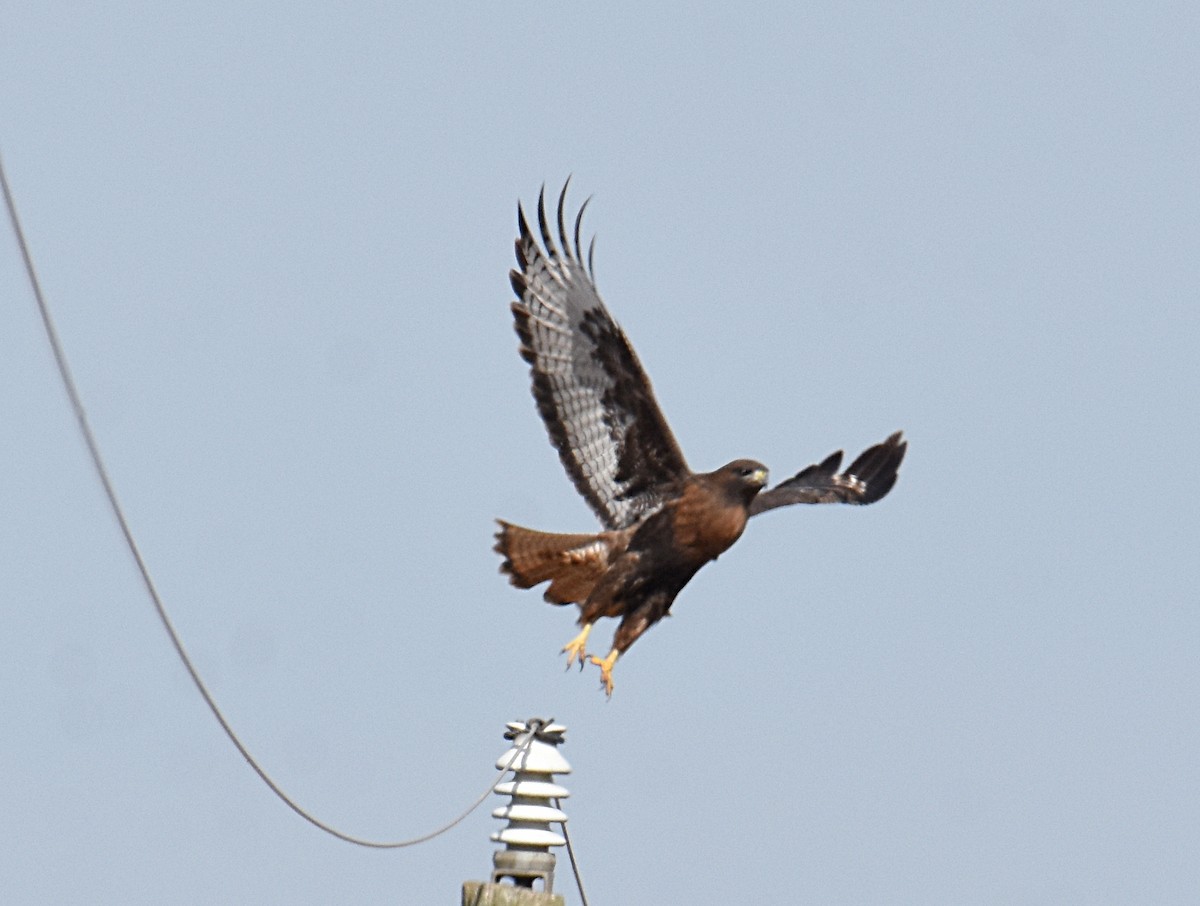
(118,512)
(571,854)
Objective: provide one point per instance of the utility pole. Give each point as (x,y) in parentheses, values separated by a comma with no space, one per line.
(526,859)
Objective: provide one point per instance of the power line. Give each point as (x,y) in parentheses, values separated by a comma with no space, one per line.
(574,863)
(118,511)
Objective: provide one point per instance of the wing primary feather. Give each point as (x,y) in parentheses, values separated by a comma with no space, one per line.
(870,461)
(547,238)
(831,463)
(524,237)
(562,229)
(825,469)
(517,279)
(578,225)
(867,463)
(879,467)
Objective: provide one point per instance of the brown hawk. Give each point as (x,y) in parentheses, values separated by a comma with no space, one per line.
(662,521)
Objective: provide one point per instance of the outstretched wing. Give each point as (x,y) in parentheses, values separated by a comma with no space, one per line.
(590,388)
(868,479)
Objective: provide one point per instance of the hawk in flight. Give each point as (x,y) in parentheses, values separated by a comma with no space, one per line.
(662,521)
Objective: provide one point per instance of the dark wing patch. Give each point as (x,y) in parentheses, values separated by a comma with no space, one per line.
(590,389)
(868,479)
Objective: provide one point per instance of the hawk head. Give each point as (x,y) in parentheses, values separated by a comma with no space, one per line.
(742,479)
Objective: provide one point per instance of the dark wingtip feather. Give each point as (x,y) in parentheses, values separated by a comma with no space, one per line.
(879,488)
(562,227)
(831,463)
(578,227)
(879,467)
(826,468)
(524,240)
(517,279)
(543,224)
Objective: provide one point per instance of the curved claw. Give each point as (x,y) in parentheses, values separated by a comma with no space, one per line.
(577,647)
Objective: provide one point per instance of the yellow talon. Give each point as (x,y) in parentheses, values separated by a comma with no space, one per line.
(606,668)
(577,647)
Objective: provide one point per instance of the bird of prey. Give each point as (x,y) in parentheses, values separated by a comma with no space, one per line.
(661,521)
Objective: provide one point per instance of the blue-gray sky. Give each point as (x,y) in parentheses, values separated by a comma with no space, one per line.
(276,238)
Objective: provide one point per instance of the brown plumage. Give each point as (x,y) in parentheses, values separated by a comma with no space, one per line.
(662,521)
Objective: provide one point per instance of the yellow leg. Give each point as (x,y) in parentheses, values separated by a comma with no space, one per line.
(577,647)
(606,668)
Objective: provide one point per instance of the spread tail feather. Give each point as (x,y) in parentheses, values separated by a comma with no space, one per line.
(570,563)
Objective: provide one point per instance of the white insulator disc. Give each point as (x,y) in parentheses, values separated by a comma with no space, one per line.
(535,789)
(542,814)
(525,836)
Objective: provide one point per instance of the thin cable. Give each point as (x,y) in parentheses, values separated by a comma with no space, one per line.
(89,438)
(571,854)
